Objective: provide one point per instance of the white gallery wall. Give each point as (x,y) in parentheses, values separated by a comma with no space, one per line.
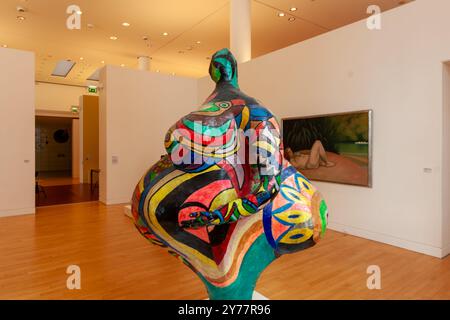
(16,132)
(446,159)
(58,97)
(136,110)
(397,72)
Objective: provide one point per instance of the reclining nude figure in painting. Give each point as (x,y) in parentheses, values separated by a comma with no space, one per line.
(223,200)
(309,159)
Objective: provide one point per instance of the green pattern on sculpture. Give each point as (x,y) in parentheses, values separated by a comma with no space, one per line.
(259,256)
(323,215)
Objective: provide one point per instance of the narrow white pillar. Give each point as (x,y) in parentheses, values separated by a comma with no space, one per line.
(241,30)
(144,63)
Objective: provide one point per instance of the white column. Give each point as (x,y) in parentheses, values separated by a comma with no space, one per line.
(144,63)
(241,30)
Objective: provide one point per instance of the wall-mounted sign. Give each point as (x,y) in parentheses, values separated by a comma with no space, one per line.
(92,89)
(74,109)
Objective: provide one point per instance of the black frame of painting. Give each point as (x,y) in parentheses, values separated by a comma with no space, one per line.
(370,151)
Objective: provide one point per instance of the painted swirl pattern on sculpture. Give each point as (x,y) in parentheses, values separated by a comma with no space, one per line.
(223,200)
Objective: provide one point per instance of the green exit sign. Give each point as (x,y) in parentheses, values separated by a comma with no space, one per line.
(92,89)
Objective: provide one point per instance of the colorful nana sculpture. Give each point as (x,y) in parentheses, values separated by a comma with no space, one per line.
(223,199)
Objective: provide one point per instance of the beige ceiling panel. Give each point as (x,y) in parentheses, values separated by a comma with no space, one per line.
(212,33)
(186,22)
(271,32)
(330,14)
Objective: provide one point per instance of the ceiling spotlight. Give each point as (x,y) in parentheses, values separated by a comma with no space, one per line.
(157,71)
(81,58)
(113,38)
(198,42)
(5,46)
(281,14)
(126,24)
(291,19)
(21,9)
(165,34)
(122,65)
(293,9)
(20,18)
(102,62)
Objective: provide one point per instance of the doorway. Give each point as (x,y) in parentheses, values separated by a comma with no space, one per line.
(57,174)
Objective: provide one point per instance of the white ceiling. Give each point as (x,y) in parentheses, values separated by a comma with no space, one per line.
(186,22)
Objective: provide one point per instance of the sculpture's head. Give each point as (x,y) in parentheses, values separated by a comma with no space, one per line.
(223,68)
(297,217)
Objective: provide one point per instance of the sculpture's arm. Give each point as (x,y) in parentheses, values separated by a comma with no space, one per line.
(235,209)
(263,154)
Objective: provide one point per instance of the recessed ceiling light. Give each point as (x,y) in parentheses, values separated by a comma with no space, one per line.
(281,14)
(157,71)
(81,58)
(198,42)
(293,9)
(122,65)
(20,18)
(113,38)
(126,24)
(291,19)
(21,9)
(5,46)
(173,73)
(165,34)
(102,62)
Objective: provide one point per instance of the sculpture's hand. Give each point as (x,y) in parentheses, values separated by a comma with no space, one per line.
(202,219)
(231,212)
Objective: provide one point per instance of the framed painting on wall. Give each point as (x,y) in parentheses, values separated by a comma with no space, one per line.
(333,148)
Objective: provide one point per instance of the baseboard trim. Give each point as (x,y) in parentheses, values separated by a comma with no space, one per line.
(17,212)
(110,202)
(127,211)
(388,239)
(446,251)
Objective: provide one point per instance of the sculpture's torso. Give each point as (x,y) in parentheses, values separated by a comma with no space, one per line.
(221,199)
